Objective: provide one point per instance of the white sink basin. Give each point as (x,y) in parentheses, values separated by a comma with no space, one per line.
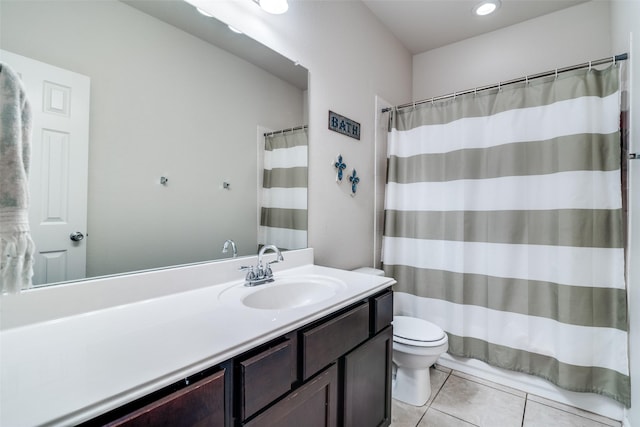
(284,293)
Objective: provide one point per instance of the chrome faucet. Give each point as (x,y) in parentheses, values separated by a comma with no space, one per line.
(262,274)
(225,247)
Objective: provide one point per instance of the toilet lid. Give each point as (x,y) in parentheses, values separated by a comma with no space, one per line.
(414,329)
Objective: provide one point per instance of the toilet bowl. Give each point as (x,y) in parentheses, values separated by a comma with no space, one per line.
(417,345)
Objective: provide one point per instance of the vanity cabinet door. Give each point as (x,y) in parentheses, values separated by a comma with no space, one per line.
(367,382)
(199,404)
(314,404)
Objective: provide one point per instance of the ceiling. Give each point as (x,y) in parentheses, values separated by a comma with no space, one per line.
(422,25)
(184,16)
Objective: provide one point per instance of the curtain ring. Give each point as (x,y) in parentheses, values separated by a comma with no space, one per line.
(526,80)
(475,91)
(499,88)
(454,96)
(556,73)
(589,65)
(614,60)
(432,101)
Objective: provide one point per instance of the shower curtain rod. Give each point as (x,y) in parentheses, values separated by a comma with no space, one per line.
(621,57)
(285,130)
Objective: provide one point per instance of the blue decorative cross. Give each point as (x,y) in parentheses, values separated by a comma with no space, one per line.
(340,165)
(354,182)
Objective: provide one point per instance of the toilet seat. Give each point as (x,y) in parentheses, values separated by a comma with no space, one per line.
(418,332)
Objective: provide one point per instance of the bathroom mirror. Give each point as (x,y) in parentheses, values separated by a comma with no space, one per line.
(177,104)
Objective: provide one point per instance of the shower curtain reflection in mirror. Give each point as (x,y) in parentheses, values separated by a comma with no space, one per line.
(283,204)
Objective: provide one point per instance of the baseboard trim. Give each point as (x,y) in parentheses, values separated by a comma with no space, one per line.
(530,384)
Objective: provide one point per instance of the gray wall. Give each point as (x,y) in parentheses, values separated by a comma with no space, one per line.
(163,103)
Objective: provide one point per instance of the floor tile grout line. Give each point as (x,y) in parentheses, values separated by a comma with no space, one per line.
(524,410)
(434,396)
(526,396)
(479,381)
(457,418)
(569,412)
(441,387)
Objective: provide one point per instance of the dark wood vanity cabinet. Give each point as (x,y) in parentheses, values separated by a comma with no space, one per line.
(265,376)
(197,401)
(367,382)
(333,372)
(341,367)
(327,340)
(199,404)
(313,404)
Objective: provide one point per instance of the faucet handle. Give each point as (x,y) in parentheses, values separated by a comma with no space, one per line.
(251,274)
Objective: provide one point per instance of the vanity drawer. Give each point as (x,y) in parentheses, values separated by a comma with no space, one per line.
(324,343)
(381,311)
(266,376)
(314,404)
(198,404)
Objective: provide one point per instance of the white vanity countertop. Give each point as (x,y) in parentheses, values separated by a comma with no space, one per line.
(67,370)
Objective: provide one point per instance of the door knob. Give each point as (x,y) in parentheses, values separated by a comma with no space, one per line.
(76,236)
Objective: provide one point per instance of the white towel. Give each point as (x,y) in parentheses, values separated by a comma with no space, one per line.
(16,247)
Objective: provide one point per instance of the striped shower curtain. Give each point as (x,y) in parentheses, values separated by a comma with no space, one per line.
(283,213)
(504,226)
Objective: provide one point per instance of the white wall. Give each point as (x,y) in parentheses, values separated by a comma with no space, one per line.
(351,59)
(163,103)
(568,37)
(625,28)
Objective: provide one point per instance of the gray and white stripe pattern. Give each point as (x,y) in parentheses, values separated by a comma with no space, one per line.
(504,226)
(283,216)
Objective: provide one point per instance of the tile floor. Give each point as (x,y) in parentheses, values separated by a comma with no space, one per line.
(462,400)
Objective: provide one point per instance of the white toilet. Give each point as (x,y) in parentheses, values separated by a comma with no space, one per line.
(417,345)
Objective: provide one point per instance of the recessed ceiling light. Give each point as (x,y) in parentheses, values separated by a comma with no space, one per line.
(486,7)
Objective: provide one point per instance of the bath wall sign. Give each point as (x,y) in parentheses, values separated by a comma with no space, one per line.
(344,125)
